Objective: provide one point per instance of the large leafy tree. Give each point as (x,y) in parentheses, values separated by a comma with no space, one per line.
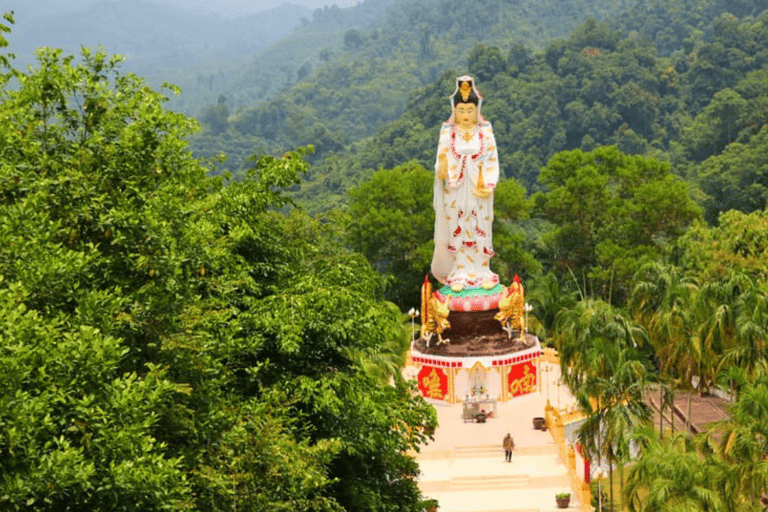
(172,342)
(610,212)
(738,242)
(391,223)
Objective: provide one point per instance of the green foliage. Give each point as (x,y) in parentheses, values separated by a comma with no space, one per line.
(173,341)
(610,212)
(216,117)
(5,59)
(674,474)
(604,361)
(738,242)
(75,431)
(391,223)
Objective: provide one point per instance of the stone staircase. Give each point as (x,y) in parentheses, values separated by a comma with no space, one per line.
(475,478)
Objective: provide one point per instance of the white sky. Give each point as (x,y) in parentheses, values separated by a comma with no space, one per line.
(227,8)
(230,7)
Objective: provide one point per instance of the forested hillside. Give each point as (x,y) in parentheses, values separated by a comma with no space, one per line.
(384,52)
(664,79)
(154,37)
(246,82)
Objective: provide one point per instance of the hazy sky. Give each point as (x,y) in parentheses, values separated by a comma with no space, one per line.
(256,5)
(227,8)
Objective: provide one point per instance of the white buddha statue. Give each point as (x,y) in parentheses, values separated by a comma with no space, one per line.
(466,173)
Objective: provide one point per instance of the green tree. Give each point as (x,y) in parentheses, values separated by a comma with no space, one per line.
(610,212)
(737,242)
(216,117)
(352,38)
(602,362)
(180,342)
(673,475)
(392,224)
(716,126)
(743,445)
(485,63)
(737,178)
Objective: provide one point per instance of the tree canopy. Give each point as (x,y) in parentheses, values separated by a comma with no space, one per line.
(179,341)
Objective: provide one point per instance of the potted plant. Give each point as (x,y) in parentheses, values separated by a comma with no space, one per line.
(563,499)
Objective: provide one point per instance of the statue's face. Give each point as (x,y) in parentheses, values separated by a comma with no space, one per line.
(466,114)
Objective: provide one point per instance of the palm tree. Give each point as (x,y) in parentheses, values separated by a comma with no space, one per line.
(673,475)
(744,444)
(548,297)
(660,301)
(581,327)
(612,398)
(603,367)
(716,330)
(749,349)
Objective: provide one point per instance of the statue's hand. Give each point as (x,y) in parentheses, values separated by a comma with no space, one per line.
(442,164)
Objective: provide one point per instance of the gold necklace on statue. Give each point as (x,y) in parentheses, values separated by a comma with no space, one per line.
(468,134)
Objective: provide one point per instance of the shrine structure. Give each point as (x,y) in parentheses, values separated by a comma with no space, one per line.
(473,342)
(473,345)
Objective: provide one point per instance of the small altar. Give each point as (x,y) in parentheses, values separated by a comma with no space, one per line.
(455,379)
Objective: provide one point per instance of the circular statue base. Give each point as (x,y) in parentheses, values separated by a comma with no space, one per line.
(475,334)
(477,359)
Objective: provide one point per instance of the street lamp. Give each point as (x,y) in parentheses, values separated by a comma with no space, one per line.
(527,308)
(413,313)
(598,474)
(546,369)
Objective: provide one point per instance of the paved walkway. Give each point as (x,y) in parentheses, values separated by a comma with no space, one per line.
(464,467)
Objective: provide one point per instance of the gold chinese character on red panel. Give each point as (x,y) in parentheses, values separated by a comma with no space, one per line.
(522,379)
(433,382)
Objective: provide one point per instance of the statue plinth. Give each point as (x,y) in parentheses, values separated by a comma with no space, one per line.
(473,340)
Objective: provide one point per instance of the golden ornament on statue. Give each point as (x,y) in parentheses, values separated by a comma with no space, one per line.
(465,89)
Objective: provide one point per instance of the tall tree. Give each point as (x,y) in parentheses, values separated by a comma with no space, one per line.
(177,341)
(662,302)
(611,212)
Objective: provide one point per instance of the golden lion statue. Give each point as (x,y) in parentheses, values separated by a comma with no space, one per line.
(511,308)
(434,314)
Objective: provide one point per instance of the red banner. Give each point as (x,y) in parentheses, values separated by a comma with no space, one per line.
(433,383)
(522,379)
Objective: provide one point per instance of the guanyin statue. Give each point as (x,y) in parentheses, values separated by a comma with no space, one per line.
(466,173)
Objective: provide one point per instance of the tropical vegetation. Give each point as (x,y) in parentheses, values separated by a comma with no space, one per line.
(186,330)
(173,340)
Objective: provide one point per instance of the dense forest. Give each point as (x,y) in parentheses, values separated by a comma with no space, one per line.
(170,340)
(185,331)
(661,79)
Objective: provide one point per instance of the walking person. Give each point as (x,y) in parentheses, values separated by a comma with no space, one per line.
(509,445)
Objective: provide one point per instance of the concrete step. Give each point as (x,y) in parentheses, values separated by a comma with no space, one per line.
(552,483)
(488,482)
(571,506)
(494,450)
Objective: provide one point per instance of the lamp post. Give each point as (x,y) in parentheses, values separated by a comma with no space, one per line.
(546,369)
(527,308)
(413,313)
